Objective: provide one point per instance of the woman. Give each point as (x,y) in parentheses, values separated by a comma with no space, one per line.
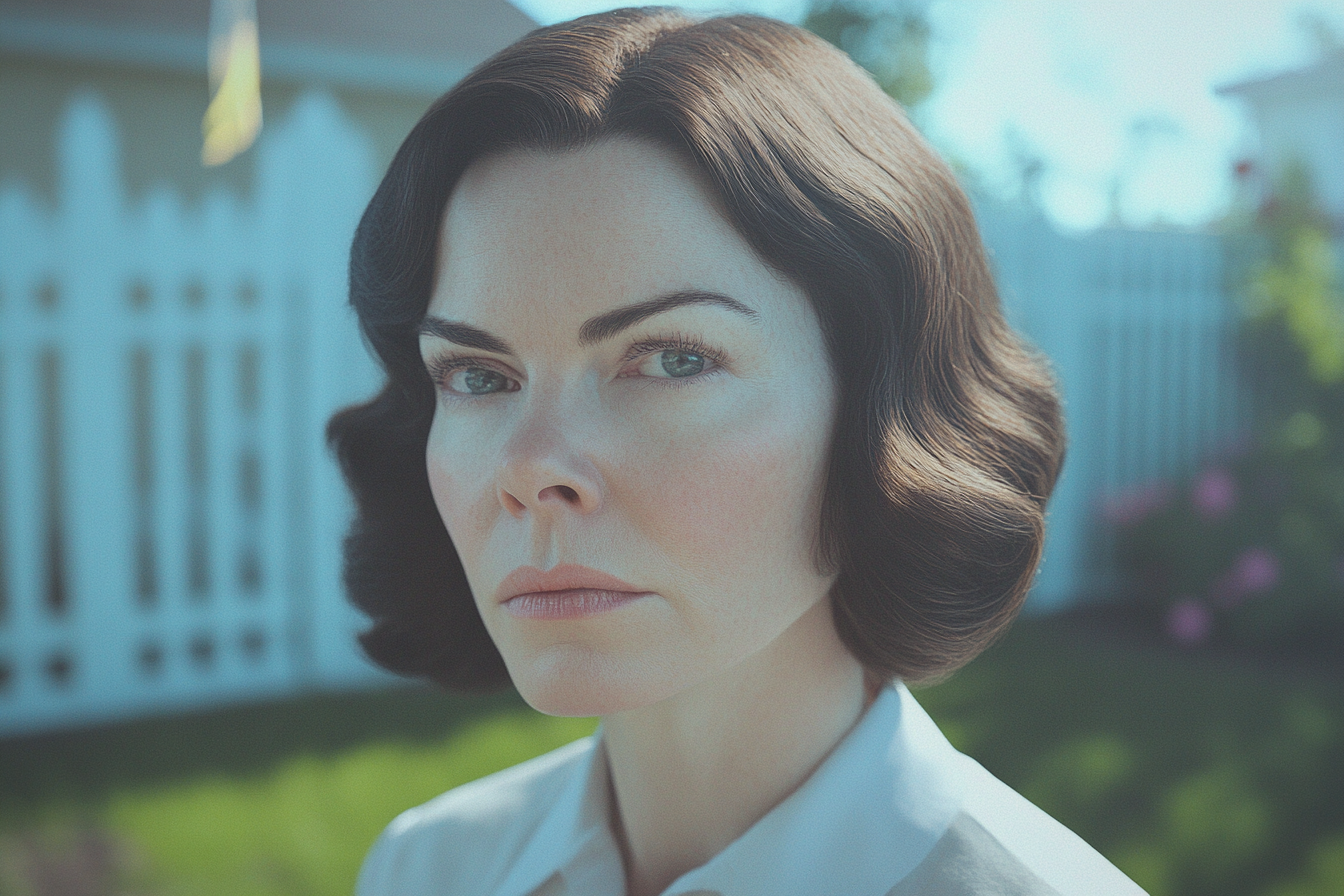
(701,417)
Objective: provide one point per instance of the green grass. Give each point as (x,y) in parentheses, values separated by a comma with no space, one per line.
(1196,774)
(275,800)
(303,828)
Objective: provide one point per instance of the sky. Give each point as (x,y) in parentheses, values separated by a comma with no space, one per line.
(1115,98)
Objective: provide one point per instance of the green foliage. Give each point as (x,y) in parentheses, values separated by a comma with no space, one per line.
(1293,294)
(1251,548)
(1323,874)
(1300,292)
(890,40)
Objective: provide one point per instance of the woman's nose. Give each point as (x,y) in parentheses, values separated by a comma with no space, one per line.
(543,471)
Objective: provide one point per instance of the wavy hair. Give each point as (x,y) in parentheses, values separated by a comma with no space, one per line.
(948,438)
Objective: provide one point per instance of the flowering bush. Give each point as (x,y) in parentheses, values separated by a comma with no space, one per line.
(1251,547)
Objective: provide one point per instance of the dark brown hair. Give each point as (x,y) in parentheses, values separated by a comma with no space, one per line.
(948,438)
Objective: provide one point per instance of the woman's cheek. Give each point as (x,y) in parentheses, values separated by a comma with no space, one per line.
(455,480)
(729,494)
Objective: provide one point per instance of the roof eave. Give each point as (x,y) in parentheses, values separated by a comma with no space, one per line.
(182,52)
(1331,63)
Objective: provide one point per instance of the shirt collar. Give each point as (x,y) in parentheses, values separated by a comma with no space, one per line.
(575,828)
(859,824)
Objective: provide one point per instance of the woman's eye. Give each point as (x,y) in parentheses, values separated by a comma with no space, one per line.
(674,363)
(477,381)
(681,363)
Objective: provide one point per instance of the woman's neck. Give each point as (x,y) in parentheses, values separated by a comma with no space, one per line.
(690,774)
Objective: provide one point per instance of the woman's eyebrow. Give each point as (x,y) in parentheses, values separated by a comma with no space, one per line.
(608,324)
(464,335)
(595,329)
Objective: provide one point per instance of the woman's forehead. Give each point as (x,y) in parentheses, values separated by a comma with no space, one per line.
(615,221)
(618,179)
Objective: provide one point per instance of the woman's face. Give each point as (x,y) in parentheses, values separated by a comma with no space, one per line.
(630,438)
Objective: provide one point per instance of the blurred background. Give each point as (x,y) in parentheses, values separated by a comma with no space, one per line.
(182,706)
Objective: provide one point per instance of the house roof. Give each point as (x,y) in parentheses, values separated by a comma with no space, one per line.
(1327,73)
(399,44)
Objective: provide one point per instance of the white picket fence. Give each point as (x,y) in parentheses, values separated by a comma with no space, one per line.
(170,519)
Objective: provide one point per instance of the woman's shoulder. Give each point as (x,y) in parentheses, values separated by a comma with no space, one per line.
(984,836)
(999,828)
(465,840)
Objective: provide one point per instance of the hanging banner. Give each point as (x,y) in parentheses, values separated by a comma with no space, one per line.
(233,118)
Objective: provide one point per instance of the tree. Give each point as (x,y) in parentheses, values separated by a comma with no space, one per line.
(890,40)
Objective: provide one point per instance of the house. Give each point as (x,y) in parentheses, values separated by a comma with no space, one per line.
(1298,117)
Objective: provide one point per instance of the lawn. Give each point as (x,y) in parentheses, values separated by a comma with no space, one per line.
(1197,773)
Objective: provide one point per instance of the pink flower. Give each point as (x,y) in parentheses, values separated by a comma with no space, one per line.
(1214,494)
(1135,505)
(1189,622)
(1256,570)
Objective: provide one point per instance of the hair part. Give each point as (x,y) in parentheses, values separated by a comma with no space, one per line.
(948,437)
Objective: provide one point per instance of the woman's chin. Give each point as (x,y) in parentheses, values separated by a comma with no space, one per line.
(584,686)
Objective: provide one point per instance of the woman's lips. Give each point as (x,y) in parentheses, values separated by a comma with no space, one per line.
(572,604)
(568,591)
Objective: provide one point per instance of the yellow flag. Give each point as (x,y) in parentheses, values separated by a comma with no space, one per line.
(233,118)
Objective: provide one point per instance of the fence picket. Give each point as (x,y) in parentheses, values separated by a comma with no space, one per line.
(170,334)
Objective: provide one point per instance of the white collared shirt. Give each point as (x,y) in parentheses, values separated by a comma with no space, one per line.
(894,810)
